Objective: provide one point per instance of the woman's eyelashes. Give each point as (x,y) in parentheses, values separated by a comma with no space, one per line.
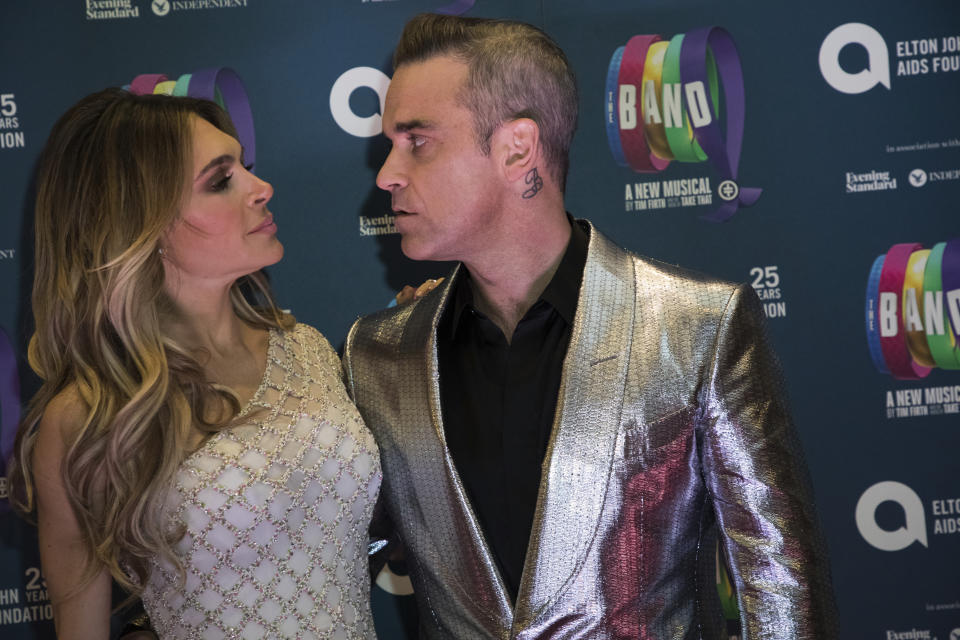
(220,181)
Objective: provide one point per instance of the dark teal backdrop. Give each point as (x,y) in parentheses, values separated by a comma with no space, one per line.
(853,138)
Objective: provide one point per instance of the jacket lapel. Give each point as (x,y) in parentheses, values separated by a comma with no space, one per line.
(581,450)
(472,568)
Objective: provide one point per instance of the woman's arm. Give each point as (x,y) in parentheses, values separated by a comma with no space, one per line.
(77,614)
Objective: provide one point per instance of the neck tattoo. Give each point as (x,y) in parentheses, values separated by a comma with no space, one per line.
(535,181)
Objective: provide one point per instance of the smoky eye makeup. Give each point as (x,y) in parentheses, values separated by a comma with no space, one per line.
(217,173)
(219,180)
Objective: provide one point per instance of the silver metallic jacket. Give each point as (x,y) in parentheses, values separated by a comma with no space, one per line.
(671,425)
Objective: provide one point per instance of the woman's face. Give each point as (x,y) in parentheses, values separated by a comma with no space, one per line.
(224,230)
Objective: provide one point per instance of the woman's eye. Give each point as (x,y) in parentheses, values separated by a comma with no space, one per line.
(221,183)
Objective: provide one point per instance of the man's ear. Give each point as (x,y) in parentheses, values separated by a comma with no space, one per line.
(519,143)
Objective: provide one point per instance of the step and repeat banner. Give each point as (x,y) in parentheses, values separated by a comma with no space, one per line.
(811,150)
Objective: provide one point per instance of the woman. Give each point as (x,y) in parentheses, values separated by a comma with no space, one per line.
(198,449)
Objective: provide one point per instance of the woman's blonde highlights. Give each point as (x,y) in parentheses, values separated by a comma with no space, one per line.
(110,185)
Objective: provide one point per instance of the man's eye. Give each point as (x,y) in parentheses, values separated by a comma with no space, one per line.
(417,141)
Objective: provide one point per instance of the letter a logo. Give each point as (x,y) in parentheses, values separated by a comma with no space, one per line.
(878,59)
(915,529)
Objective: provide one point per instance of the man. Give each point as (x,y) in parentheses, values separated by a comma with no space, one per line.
(564,425)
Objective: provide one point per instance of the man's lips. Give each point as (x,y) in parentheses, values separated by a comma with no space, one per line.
(266,225)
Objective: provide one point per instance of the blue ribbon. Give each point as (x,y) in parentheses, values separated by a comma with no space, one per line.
(872,312)
(612,108)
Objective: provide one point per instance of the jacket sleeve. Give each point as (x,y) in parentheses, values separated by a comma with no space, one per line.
(384,543)
(755,472)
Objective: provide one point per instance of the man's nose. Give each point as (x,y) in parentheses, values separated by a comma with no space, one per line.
(391,175)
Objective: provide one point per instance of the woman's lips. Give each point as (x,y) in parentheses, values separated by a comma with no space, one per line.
(268,225)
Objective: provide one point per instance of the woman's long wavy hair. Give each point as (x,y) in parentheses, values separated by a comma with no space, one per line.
(111,181)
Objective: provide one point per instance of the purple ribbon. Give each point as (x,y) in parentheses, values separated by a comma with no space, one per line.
(457,8)
(724,155)
(950,273)
(9,400)
(206,82)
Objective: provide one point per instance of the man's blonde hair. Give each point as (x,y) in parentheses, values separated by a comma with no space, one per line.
(514,71)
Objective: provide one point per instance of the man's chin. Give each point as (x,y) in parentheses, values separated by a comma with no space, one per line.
(416,250)
(411,248)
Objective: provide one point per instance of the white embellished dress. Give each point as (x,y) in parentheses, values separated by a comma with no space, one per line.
(276,512)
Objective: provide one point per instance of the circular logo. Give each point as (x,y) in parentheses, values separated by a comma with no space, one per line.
(955,634)
(878,65)
(160,7)
(917,177)
(728,190)
(348,82)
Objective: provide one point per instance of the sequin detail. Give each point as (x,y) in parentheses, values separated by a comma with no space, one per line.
(671,428)
(276,511)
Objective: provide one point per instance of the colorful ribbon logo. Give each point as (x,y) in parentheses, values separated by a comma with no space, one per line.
(913,309)
(456,8)
(663,104)
(9,405)
(222,85)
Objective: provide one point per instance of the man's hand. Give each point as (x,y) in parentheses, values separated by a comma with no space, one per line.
(409,294)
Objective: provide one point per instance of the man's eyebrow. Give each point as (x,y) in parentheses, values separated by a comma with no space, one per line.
(224,159)
(409,125)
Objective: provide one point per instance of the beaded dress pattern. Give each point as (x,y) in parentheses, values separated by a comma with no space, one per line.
(276,511)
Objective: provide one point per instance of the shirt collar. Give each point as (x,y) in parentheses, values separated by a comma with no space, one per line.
(561,292)
(564,288)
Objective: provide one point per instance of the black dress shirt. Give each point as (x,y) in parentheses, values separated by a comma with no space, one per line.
(499,399)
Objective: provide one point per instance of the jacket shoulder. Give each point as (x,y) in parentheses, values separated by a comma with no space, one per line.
(376,333)
(396,329)
(682,282)
(373,323)
(662,283)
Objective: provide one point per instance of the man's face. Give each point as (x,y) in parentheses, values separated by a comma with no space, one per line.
(445,191)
